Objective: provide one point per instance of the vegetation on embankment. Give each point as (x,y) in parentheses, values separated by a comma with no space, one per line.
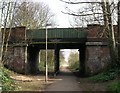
(105,81)
(7,82)
(12,81)
(112,75)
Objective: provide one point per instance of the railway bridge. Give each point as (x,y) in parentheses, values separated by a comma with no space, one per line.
(24,46)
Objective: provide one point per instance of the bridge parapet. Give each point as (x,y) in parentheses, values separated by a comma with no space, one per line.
(97,33)
(57,33)
(16,34)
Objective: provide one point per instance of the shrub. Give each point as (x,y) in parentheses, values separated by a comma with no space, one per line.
(107,75)
(7,82)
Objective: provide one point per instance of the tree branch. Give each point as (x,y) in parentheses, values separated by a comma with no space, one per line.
(70,2)
(73,14)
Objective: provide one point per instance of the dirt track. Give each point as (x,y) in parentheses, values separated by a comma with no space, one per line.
(65,81)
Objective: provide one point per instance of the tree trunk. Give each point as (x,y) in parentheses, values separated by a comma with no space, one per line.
(119,32)
(109,31)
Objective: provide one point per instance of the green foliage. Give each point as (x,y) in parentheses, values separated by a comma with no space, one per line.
(42,66)
(74,66)
(107,75)
(115,86)
(50,58)
(74,61)
(7,82)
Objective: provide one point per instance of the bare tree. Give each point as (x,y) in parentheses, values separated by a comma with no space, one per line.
(32,15)
(90,12)
(100,12)
(6,17)
(110,31)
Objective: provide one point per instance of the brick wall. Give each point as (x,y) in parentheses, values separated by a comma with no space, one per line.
(97,51)
(96,30)
(97,59)
(17,34)
(15,59)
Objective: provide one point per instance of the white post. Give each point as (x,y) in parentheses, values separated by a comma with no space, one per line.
(46,67)
(39,56)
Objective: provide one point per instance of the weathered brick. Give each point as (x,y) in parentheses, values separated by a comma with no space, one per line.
(97,59)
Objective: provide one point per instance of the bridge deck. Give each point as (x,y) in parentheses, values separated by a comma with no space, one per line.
(57,34)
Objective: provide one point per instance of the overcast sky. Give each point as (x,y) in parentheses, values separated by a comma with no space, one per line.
(56,7)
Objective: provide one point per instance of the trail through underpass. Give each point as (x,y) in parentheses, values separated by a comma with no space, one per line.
(65,81)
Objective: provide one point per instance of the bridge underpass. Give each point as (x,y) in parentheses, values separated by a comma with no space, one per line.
(24,46)
(73,39)
(33,56)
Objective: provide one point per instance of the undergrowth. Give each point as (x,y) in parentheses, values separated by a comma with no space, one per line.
(111,74)
(107,75)
(115,86)
(7,82)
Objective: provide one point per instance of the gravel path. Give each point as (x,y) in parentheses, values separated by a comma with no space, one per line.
(65,81)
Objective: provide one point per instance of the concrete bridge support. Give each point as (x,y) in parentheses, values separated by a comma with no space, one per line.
(56,60)
(33,60)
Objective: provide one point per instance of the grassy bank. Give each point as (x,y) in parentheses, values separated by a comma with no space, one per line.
(7,82)
(111,75)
